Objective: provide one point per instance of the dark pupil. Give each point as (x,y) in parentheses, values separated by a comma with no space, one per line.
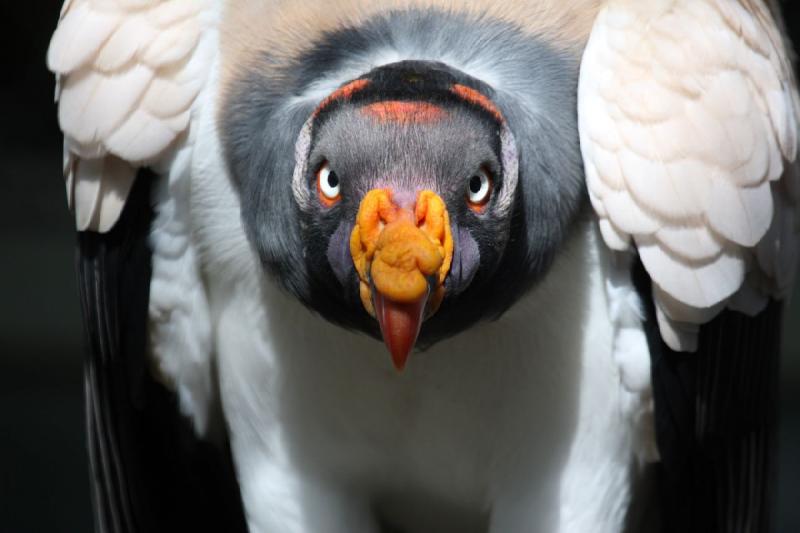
(475,184)
(333,179)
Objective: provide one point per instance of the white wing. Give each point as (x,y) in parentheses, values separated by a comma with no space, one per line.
(131,76)
(688,117)
(128,73)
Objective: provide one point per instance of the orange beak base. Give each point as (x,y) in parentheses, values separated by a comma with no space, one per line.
(402,258)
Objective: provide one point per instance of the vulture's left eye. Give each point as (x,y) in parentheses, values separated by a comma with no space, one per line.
(479,190)
(328,185)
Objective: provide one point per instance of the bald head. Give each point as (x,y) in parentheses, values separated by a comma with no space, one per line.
(503,159)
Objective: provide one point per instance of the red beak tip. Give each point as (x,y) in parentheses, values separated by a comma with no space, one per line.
(400,325)
(399,359)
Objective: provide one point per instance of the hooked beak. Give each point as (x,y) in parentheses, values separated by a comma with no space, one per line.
(400,324)
(402,257)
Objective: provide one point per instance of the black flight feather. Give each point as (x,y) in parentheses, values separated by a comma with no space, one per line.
(716,421)
(149,473)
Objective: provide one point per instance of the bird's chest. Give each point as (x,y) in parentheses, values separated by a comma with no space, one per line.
(492,404)
(337,404)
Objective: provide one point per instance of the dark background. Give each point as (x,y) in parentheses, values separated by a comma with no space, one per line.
(43,470)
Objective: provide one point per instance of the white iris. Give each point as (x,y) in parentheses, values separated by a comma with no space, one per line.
(328,182)
(479,187)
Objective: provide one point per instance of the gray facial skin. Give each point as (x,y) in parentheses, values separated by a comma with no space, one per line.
(441,156)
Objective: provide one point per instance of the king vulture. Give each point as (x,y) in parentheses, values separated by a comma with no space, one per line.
(570,222)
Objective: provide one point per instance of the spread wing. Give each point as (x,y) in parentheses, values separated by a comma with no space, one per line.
(128,74)
(688,117)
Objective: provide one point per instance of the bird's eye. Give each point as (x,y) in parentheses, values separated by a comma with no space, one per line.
(328,185)
(479,190)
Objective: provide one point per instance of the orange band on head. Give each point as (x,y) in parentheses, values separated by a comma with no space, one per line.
(474,97)
(345,92)
(404,112)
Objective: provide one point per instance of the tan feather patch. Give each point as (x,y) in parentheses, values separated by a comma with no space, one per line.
(286,28)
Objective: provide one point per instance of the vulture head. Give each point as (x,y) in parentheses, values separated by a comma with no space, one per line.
(406,192)
(408,202)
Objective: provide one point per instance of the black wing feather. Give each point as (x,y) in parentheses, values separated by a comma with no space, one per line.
(149,472)
(716,421)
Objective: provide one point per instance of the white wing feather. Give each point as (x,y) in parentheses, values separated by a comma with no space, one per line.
(688,117)
(130,75)
(129,72)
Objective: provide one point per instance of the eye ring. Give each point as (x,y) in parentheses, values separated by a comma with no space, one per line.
(328,185)
(479,190)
